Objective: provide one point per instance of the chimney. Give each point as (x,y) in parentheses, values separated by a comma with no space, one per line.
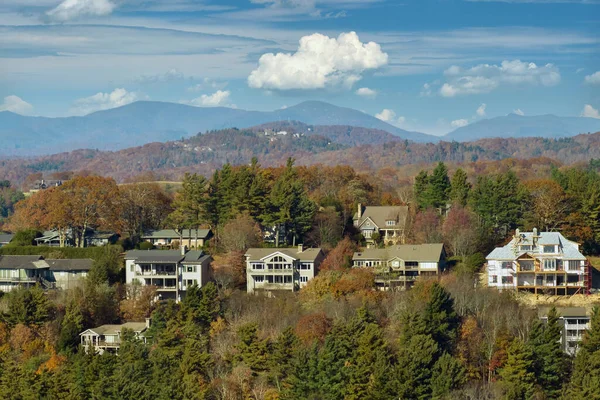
(517,232)
(147,323)
(300,248)
(535,232)
(182,247)
(359,210)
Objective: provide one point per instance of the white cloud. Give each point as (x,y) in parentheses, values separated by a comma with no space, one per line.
(481,110)
(390,117)
(207,83)
(319,62)
(590,112)
(16,104)
(457,123)
(104,101)
(219,98)
(171,75)
(484,78)
(593,79)
(518,112)
(73,9)
(366,92)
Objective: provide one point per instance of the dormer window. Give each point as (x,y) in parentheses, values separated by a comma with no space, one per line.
(526,247)
(548,248)
(390,223)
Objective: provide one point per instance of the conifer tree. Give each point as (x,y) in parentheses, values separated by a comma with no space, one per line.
(460,188)
(420,188)
(441,319)
(585,380)
(518,373)
(447,375)
(284,350)
(438,190)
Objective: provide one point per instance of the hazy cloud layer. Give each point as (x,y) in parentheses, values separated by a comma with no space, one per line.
(16,104)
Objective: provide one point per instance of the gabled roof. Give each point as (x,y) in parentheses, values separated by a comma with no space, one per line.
(172,234)
(103,330)
(380,214)
(569,249)
(19,262)
(6,237)
(308,254)
(82,264)
(431,252)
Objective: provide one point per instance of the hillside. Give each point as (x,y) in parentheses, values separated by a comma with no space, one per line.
(144,122)
(517,126)
(204,153)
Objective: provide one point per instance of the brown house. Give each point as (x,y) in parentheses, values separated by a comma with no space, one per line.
(388,221)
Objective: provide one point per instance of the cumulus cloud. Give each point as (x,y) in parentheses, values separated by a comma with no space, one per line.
(219,98)
(390,117)
(366,92)
(484,78)
(518,112)
(457,123)
(104,101)
(593,79)
(590,112)
(481,110)
(319,62)
(73,9)
(16,104)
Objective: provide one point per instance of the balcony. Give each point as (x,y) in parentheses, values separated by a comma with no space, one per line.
(155,273)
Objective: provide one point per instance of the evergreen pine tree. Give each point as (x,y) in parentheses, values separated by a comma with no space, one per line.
(460,188)
(441,320)
(420,189)
(438,189)
(518,373)
(447,374)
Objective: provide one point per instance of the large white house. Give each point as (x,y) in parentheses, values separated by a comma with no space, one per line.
(276,269)
(539,262)
(399,267)
(172,272)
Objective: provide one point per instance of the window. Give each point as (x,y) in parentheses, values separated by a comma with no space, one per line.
(525,247)
(259,278)
(258,266)
(132,268)
(287,279)
(396,263)
(191,268)
(367,234)
(507,280)
(390,223)
(550,264)
(190,282)
(573,265)
(411,264)
(304,279)
(507,264)
(305,266)
(549,249)
(278,263)
(278,279)
(494,278)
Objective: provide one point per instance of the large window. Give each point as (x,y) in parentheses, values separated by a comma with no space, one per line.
(573,265)
(549,248)
(367,234)
(507,280)
(525,247)
(258,266)
(550,264)
(277,263)
(390,223)
(259,278)
(304,279)
(507,264)
(305,266)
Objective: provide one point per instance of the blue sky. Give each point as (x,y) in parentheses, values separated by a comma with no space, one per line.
(429,65)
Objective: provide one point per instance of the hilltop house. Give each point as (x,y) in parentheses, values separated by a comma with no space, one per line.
(92,238)
(172,272)
(191,238)
(27,271)
(400,266)
(388,221)
(539,262)
(108,337)
(575,321)
(277,269)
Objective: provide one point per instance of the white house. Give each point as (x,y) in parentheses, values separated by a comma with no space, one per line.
(574,320)
(539,262)
(275,269)
(171,271)
(400,266)
(108,337)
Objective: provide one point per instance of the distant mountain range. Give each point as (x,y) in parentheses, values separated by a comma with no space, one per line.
(145,122)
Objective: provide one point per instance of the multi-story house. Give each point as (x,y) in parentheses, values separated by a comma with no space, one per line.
(27,271)
(191,238)
(52,238)
(276,269)
(400,266)
(388,221)
(172,272)
(539,262)
(109,337)
(574,321)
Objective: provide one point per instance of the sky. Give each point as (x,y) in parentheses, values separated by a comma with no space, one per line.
(423,65)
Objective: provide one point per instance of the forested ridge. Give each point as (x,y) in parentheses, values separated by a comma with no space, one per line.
(335,145)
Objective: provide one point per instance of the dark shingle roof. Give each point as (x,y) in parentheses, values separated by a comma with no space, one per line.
(84,264)
(18,262)
(172,234)
(6,237)
(166,256)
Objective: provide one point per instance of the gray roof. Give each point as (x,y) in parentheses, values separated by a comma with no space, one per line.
(308,254)
(172,234)
(82,264)
(380,214)
(6,237)
(569,249)
(431,252)
(166,256)
(564,311)
(114,329)
(18,262)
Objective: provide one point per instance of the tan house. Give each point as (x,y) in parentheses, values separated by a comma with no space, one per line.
(388,221)
(400,266)
(108,337)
